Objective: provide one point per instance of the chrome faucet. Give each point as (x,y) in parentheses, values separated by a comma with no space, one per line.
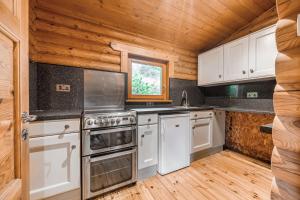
(184,99)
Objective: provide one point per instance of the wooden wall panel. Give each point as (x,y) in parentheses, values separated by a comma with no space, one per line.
(64,40)
(243,134)
(286,126)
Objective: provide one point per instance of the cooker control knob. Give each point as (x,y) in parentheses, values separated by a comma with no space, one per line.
(90,122)
(131,119)
(97,121)
(118,120)
(101,121)
(112,121)
(106,121)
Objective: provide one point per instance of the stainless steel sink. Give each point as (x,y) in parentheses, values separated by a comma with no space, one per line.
(185,107)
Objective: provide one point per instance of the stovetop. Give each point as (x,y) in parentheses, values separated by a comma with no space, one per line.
(107,118)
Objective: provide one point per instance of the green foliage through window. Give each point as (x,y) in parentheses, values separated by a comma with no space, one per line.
(146,79)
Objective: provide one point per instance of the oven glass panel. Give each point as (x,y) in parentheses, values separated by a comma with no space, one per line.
(109,172)
(106,140)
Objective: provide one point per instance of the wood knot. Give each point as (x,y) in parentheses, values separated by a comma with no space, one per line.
(297,123)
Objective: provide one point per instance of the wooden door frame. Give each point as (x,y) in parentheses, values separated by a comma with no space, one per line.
(17,31)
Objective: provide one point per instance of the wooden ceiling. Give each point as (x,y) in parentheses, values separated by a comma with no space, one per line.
(189,24)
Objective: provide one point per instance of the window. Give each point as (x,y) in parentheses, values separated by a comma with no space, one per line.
(147,80)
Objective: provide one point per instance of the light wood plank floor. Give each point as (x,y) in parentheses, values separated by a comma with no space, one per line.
(226,175)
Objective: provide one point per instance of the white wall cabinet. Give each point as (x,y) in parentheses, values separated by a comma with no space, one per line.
(147,145)
(54,165)
(236,58)
(211,66)
(250,57)
(262,53)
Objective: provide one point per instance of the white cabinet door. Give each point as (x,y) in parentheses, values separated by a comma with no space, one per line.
(174,140)
(54,165)
(210,66)
(236,59)
(219,128)
(147,145)
(201,134)
(263,52)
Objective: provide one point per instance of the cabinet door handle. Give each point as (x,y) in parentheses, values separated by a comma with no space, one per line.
(220,76)
(73,147)
(177,125)
(142,139)
(251,70)
(244,72)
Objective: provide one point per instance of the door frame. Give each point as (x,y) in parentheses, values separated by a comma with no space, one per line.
(15,26)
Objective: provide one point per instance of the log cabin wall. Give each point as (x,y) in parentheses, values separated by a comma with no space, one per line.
(286,125)
(60,39)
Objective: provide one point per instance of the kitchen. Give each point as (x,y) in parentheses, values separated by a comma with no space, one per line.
(127,100)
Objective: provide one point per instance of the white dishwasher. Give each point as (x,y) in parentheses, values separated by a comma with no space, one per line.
(174,142)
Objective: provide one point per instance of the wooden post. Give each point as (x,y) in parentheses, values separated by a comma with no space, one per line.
(286,126)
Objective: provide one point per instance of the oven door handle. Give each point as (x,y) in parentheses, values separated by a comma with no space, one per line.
(112,130)
(91,160)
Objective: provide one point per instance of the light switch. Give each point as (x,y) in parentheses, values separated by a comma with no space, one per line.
(63,88)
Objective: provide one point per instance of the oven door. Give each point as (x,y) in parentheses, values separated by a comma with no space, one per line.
(104,173)
(104,140)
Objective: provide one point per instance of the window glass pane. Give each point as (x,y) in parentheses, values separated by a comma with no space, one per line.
(146,79)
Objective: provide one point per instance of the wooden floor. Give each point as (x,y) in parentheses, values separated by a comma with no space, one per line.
(226,175)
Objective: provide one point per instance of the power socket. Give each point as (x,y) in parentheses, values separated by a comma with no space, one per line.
(63,88)
(252,95)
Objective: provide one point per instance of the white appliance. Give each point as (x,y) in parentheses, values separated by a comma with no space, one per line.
(174,142)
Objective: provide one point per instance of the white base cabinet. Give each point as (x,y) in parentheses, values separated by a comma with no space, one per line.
(201,137)
(147,145)
(218,130)
(54,165)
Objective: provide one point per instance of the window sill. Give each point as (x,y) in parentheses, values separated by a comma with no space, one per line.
(149,100)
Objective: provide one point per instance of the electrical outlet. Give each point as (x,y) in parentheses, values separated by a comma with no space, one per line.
(252,95)
(63,88)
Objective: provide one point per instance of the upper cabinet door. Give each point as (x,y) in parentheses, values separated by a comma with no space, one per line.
(236,59)
(210,66)
(263,52)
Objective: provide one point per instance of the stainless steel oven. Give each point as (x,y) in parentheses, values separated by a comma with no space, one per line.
(103,140)
(103,173)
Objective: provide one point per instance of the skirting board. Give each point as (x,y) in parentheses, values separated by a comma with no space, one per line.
(147,172)
(207,152)
(73,194)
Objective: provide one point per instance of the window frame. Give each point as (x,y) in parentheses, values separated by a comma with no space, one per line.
(165,81)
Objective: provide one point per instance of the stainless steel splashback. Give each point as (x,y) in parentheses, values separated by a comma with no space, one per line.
(104,90)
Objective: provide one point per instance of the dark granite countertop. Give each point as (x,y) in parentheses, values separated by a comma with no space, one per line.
(71,114)
(56,114)
(267,128)
(198,108)
(248,110)
(170,110)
